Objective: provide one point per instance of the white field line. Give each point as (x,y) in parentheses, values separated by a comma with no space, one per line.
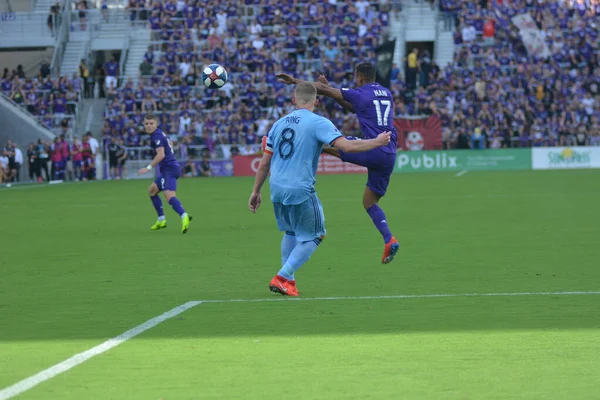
(77,359)
(461,173)
(403,296)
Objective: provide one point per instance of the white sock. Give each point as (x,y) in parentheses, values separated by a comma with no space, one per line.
(161,218)
(183,215)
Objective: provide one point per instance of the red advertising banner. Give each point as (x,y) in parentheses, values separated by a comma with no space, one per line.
(419,133)
(247,166)
(332,165)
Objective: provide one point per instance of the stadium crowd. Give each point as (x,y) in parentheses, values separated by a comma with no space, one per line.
(493,94)
(52,101)
(254,43)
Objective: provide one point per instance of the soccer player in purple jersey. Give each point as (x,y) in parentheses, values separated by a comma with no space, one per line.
(166,182)
(374,107)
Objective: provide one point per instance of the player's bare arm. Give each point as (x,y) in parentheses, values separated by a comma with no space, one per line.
(322,89)
(358,146)
(261,176)
(346,105)
(160,154)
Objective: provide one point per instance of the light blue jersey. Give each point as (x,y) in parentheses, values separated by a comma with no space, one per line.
(296,142)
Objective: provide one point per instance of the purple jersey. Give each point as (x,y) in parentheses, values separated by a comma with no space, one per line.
(159,139)
(374,107)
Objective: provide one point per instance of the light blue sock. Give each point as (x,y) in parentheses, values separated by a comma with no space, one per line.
(288,243)
(298,257)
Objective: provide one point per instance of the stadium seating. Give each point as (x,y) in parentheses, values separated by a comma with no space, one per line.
(254,43)
(512,98)
(53,101)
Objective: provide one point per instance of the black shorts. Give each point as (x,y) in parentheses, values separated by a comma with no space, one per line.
(12,165)
(122,162)
(113,162)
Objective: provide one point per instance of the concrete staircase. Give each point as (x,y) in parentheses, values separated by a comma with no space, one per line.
(420,22)
(398,32)
(138,44)
(444,47)
(43,5)
(74,52)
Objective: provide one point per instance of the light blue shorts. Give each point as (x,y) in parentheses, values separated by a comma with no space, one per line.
(305,220)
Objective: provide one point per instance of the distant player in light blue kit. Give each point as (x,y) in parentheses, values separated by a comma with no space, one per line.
(291,154)
(374,107)
(170,171)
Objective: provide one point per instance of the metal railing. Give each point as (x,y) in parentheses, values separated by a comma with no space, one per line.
(62,38)
(24,110)
(28,25)
(124,53)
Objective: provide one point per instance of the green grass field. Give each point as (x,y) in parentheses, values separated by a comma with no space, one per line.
(80,266)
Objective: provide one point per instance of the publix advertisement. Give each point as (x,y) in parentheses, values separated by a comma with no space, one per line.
(566,157)
(459,160)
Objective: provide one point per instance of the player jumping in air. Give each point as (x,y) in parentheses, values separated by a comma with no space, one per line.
(374,107)
(291,154)
(169,173)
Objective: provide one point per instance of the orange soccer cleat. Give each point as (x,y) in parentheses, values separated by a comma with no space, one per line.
(283,286)
(391,248)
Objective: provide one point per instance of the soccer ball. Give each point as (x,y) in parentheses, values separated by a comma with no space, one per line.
(214,76)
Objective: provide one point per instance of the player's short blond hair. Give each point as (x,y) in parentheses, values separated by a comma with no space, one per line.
(305,93)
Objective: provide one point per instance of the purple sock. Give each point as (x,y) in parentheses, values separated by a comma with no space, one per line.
(157,205)
(176,204)
(378,217)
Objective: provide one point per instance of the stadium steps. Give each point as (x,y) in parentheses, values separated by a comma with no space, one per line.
(444,47)
(420,22)
(91,116)
(397,31)
(43,5)
(74,52)
(139,42)
(97,117)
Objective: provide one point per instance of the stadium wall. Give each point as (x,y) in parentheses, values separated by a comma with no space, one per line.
(538,158)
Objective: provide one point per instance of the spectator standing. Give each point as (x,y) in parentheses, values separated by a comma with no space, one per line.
(43,152)
(3,167)
(11,168)
(101,78)
(112,72)
(84,74)
(77,157)
(18,162)
(411,69)
(489,31)
(53,17)
(33,162)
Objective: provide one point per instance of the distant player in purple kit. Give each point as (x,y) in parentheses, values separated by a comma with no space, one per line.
(170,171)
(374,107)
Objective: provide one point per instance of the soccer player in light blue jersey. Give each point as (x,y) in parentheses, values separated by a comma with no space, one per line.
(291,154)
(373,104)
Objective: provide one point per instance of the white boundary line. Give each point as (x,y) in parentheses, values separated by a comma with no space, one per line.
(77,359)
(402,296)
(80,358)
(461,173)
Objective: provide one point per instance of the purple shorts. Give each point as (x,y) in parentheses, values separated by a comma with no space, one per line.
(60,165)
(167,180)
(380,165)
(77,164)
